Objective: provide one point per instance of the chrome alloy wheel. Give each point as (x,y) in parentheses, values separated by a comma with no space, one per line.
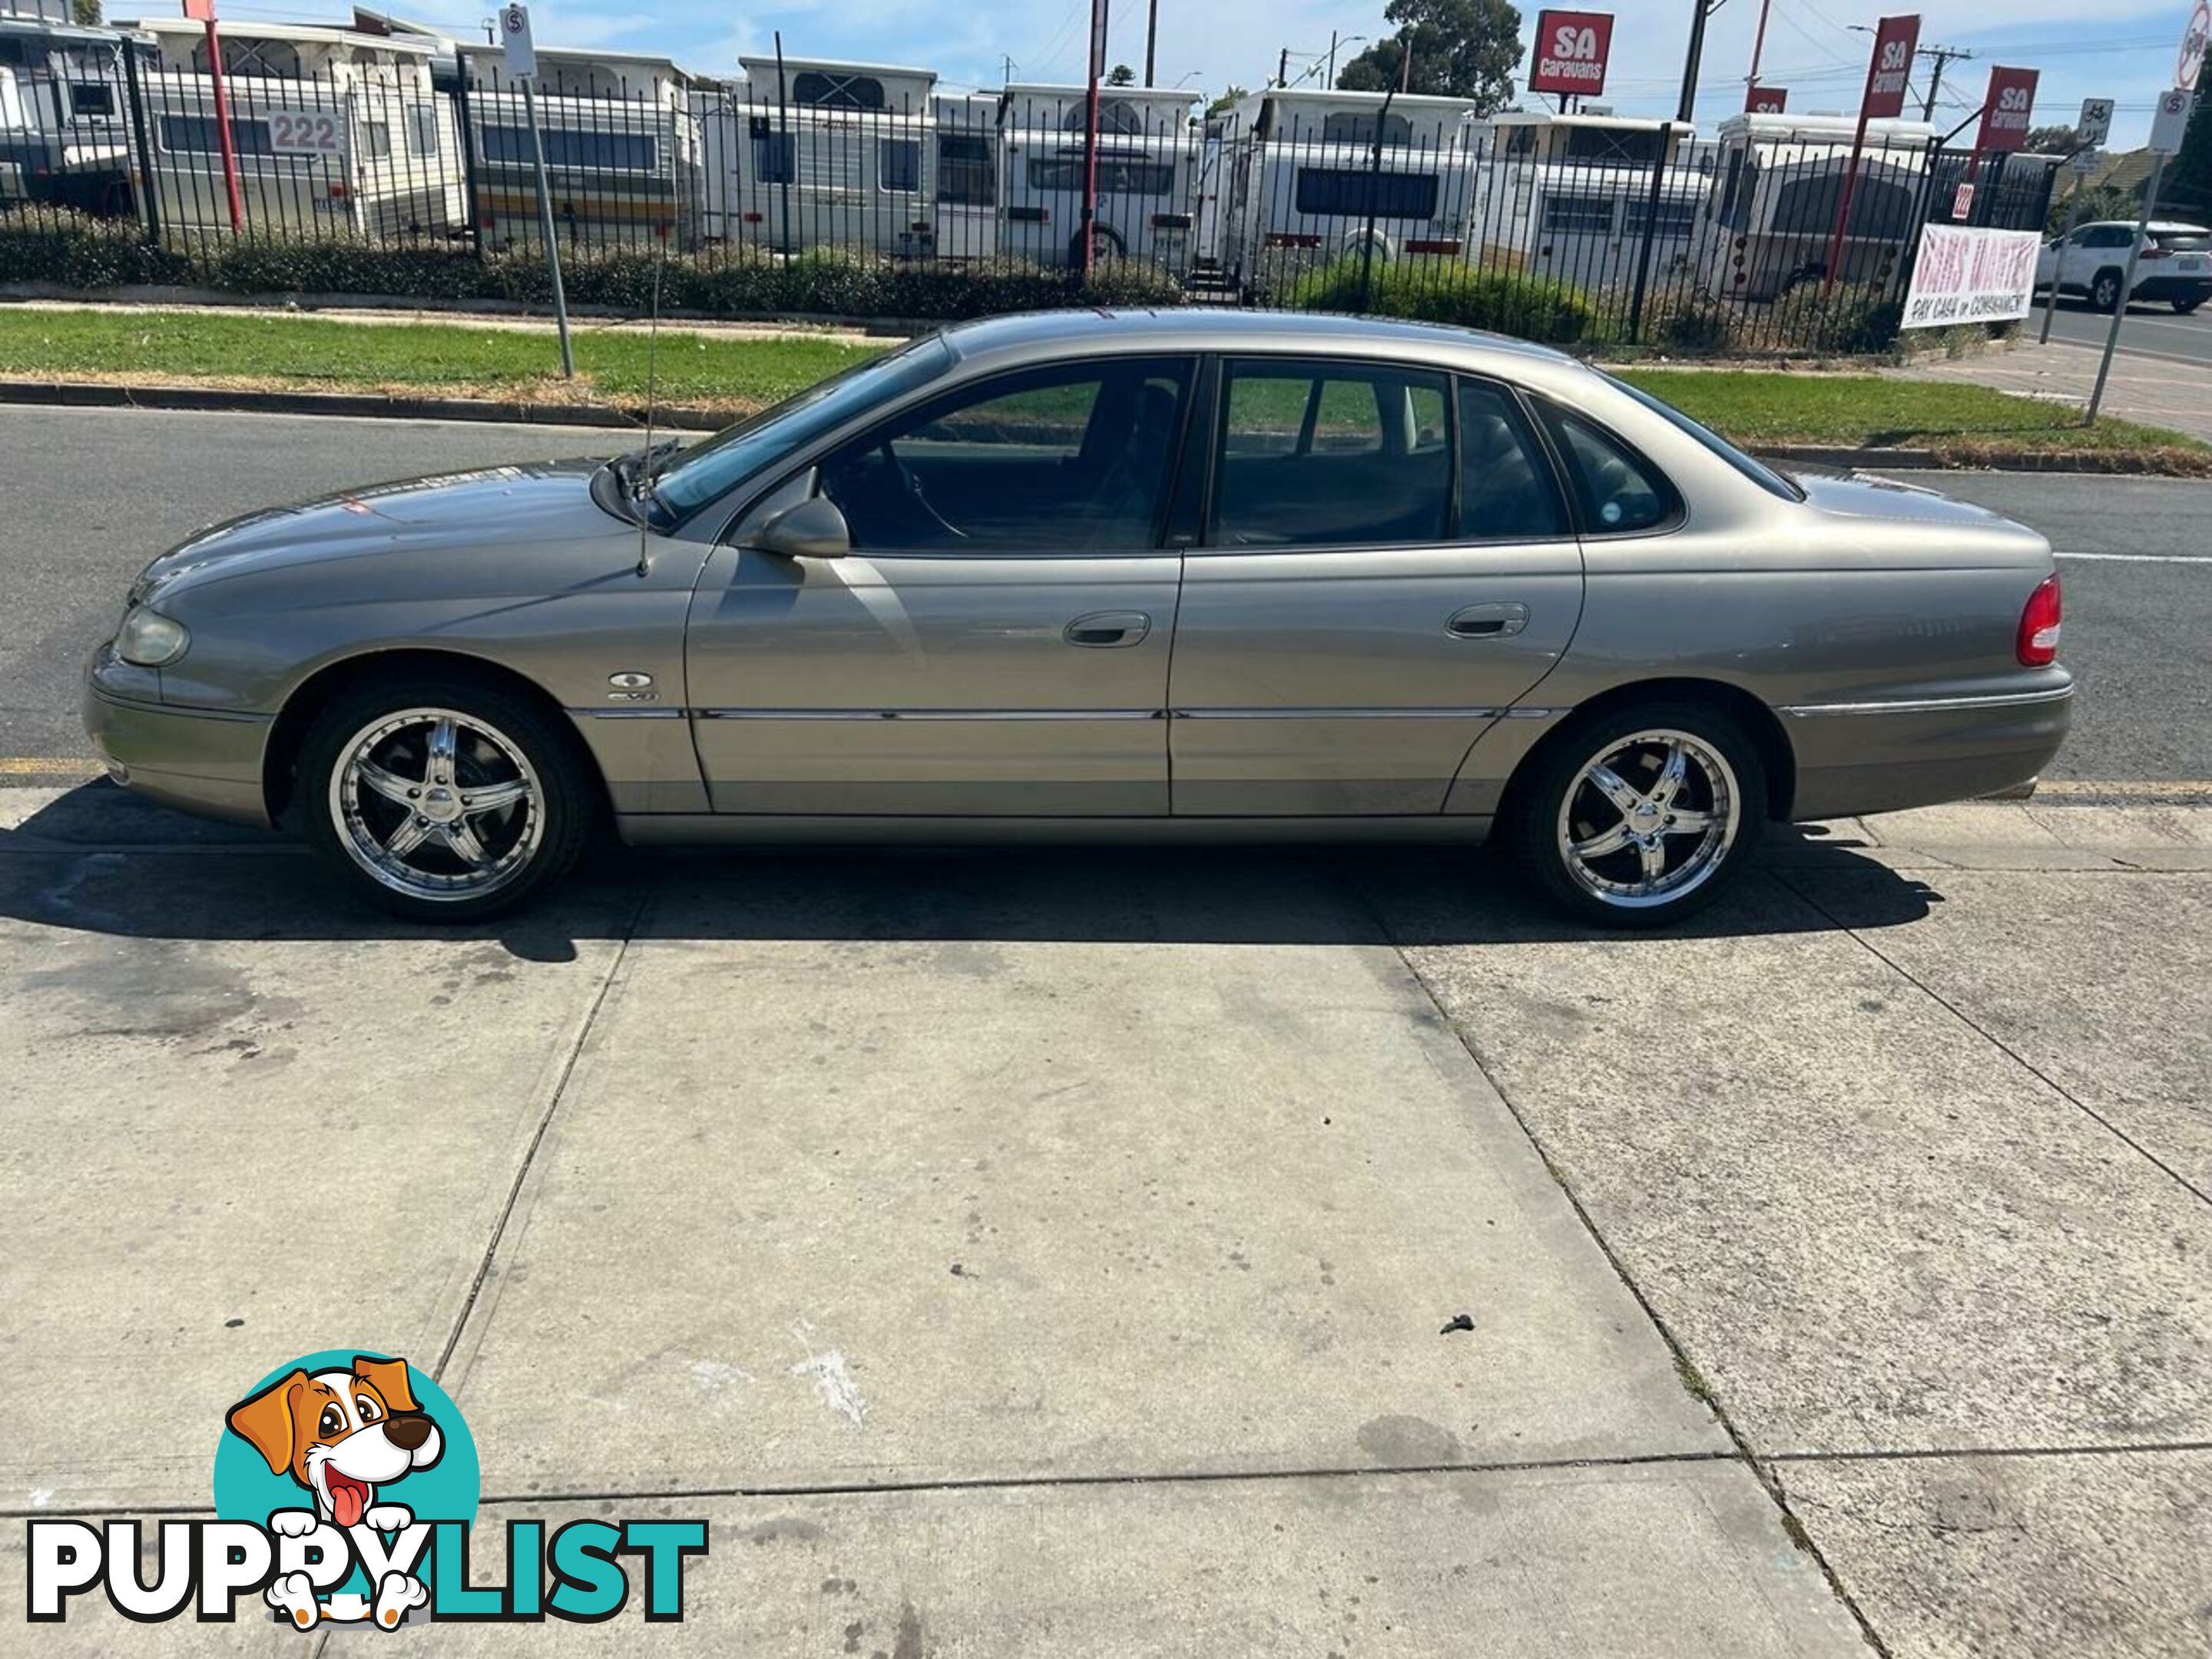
(1649,818)
(437,804)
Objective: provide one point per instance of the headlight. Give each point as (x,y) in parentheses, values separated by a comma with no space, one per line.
(148,639)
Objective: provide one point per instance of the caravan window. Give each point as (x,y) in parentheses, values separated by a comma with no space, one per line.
(276,60)
(1676,219)
(898,164)
(825,90)
(87,99)
(566,147)
(776,158)
(1117,116)
(1598,145)
(1358,127)
(1116,176)
(967,175)
(372,140)
(1578,215)
(421,129)
(1323,190)
(197,135)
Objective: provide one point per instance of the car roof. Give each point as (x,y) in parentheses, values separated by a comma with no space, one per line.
(2153,228)
(1204,328)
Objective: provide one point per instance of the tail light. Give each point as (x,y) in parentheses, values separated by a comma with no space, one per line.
(2153,254)
(2038,646)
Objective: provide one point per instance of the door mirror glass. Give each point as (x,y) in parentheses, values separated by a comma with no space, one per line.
(810,530)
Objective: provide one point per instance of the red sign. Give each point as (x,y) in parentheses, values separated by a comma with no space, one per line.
(200,11)
(1767,101)
(1571,47)
(1894,42)
(2004,117)
(1962,201)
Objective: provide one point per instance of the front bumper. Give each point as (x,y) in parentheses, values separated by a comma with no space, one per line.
(194,759)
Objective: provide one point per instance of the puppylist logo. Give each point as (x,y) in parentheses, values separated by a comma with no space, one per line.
(345,1490)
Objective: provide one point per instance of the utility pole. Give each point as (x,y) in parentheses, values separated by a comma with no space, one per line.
(1151,37)
(1006,71)
(1941,57)
(1332,58)
(1283,68)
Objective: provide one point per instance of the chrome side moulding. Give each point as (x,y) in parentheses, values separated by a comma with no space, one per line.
(1933,705)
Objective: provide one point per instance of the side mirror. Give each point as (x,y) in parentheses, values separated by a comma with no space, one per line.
(812,529)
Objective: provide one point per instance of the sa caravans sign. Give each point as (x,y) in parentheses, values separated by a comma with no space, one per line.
(1573,48)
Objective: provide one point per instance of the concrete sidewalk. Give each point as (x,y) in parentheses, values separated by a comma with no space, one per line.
(2155,390)
(1014,1251)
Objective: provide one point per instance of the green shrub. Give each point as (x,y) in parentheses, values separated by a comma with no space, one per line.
(1435,291)
(1845,322)
(76,250)
(1690,324)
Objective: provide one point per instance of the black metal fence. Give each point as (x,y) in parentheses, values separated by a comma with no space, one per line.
(1594,233)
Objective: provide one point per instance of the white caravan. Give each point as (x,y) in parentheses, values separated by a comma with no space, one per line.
(1146,164)
(332,131)
(623,163)
(833,154)
(1770,213)
(64,115)
(1567,195)
(963,156)
(1303,169)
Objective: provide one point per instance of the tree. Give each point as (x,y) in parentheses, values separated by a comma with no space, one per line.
(1230,99)
(2051,140)
(1120,75)
(2185,192)
(1461,49)
(86,13)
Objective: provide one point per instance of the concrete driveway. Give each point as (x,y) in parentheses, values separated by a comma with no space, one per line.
(1013,1252)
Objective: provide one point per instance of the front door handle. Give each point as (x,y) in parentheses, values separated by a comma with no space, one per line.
(1108,628)
(1498,620)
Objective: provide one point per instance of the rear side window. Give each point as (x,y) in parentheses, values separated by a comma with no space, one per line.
(1331,455)
(1505,489)
(1618,491)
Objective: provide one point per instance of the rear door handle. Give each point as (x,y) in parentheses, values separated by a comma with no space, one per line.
(1108,628)
(1496,620)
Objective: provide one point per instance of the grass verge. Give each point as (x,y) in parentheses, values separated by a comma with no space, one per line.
(1963,425)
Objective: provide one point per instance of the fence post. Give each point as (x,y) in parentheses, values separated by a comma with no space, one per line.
(474,209)
(1651,226)
(141,180)
(1374,189)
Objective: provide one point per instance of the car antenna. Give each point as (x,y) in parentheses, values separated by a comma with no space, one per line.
(651,389)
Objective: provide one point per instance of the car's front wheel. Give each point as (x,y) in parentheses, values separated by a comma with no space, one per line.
(1640,816)
(443,801)
(2105,291)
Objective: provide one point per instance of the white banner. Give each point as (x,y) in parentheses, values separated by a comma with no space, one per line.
(1968,275)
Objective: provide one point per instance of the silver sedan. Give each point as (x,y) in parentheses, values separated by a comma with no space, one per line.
(1176,577)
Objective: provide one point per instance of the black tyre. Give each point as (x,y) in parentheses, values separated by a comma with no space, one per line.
(1642,815)
(1106,247)
(445,801)
(2105,291)
(2185,306)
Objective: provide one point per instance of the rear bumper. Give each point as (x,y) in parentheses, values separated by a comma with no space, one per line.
(191,759)
(1881,756)
(2172,287)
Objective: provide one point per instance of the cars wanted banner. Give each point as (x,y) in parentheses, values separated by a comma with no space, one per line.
(1968,274)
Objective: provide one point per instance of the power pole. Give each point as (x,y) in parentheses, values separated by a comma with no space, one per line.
(1006,71)
(1151,37)
(1941,57)
(1332,59)
(1283,68)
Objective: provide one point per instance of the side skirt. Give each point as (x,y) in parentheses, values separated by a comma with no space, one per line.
(699,829)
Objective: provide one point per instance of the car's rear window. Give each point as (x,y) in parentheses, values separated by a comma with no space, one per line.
(1757,470)
(2183,242)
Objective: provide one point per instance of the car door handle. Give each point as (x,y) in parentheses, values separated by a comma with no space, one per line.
(1498,620)
(1105,627)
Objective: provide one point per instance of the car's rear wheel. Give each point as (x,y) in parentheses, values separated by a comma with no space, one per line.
(443,802)
(2105,291)
(2185,306)
(1640,816)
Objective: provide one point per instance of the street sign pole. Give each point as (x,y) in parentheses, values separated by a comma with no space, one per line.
(2073,218)
(2091,128)
(522,65)
(2167,127)
(226,141)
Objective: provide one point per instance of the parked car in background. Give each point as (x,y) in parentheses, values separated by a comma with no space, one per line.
(2175,264)
(1171,575)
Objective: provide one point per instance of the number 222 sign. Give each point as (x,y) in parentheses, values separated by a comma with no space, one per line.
(304,132)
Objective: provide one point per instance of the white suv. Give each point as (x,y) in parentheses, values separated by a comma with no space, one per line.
(2175,264)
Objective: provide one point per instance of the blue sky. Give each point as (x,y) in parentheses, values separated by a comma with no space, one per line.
(2125,52)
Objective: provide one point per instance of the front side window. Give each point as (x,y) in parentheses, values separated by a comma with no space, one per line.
(898,164)
(1506,492)
(1341,454)
(1617,491)
(1072,459)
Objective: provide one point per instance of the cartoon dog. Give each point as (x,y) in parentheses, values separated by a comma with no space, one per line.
(341,1434)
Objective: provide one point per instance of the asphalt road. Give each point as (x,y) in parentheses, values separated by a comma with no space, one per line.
(2149,331)
(93,493)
